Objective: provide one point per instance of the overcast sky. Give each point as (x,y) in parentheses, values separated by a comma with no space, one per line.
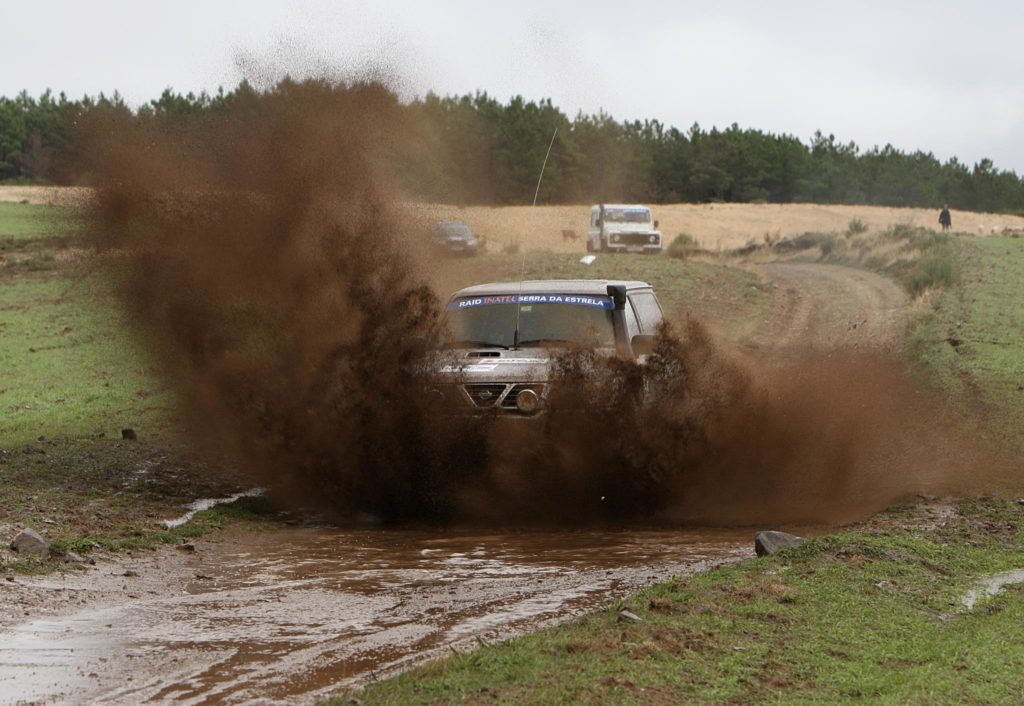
(943,76)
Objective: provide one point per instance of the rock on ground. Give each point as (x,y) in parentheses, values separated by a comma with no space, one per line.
(29,541)
(771,541)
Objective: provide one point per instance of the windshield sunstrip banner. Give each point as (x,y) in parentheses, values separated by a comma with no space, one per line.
(491,300)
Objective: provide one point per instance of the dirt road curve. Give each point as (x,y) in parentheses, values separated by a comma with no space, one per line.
(828,306)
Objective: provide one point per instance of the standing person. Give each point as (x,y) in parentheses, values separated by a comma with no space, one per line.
(945,219)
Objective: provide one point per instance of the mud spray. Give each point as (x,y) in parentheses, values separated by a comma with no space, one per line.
(267,267)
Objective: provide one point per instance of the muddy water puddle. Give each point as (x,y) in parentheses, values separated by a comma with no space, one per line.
(291,616)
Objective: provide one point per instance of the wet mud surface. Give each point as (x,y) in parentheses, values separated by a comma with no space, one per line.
(289,616)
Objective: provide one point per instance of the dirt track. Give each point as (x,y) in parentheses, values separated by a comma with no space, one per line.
(829,306)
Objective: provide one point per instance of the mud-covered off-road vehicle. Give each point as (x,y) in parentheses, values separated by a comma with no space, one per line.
(504,337)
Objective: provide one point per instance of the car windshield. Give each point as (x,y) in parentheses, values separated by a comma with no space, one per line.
(544,319)
(455,229)
(627,215)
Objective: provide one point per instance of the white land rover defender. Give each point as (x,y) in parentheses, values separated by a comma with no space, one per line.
(504,337)
(622,228)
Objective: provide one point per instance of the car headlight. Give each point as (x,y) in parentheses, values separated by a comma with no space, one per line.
(653,239)
(615,238)
(527,401)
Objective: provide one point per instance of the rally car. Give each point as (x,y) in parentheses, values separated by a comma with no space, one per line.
(504,337)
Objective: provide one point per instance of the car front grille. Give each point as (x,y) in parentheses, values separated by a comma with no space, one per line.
(633,239)
(497,396)
(485,394)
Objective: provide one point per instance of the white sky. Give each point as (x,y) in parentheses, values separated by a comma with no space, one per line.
(945,76)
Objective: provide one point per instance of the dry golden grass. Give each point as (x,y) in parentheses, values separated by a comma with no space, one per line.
(45,195)
(714,226)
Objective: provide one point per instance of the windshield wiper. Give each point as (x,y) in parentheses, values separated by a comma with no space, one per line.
(478,344)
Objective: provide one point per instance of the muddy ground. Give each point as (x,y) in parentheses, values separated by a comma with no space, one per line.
(289,614)
(293,615)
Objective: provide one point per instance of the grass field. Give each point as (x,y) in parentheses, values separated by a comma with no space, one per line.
(973,343)
(19,221)
(71,378)
(67,366)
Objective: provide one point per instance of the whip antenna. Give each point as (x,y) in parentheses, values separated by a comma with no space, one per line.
(519,303)
(548,154)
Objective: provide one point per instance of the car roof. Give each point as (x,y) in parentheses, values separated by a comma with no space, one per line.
(625,206)
(557,286)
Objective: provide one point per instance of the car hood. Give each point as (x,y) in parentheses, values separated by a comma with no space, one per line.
(495,365)
(630,228)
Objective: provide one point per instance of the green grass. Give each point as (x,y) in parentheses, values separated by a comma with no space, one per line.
(67,367)
(20,221)
(71,377)
(255,513)
(83,493)
(972,345)
(917,258)
(869,616)
(682,246)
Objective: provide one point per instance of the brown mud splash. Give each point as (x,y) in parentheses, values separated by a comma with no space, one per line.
(694,436)
(270,275)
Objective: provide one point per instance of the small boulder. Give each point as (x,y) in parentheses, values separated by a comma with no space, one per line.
(129,435)
(73,558)
(629,616)
(29,541)
(771,541)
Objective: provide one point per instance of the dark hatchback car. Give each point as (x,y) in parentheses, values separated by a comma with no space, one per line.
(453,238)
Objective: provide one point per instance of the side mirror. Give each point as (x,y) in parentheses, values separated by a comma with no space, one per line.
(643,344)
(617,292)
(655,225)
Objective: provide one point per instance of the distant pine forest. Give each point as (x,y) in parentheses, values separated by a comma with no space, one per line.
(474,149)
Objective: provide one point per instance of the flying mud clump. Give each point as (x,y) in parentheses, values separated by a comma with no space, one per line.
(264,266)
